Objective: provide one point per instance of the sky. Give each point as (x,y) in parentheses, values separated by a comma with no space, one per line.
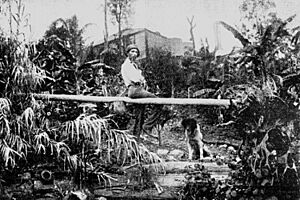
(169,17)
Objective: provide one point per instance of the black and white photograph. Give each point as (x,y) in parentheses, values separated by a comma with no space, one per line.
(149,100)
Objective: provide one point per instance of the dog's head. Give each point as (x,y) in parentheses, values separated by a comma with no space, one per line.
(189,126)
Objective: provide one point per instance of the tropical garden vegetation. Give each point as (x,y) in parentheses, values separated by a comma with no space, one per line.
(263,75)
(64,137)
(90,142)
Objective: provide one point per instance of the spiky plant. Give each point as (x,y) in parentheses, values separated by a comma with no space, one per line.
(102,147)
(31,136)
(19,76)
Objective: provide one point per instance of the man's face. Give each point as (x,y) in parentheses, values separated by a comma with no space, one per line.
(132,54)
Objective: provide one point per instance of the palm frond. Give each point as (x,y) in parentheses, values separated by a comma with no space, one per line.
(42,141)
(279,31)
(269,87)
(17,143)
(89,127)
(107,178)
(235,33)
(17,72)
(72,162)
(296,38)
(28,117)
(5,127)
(5,106)
(30,77)
(114,143)
(61,149)
(291,18)
(266,34)
(125,145)
(148,156)
(8,155)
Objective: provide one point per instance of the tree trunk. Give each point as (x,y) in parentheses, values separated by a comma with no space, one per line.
(10,19)
(192,26)
(120,38)
(105,25)
(119,20)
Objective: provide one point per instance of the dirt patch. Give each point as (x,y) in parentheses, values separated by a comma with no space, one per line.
(172,138)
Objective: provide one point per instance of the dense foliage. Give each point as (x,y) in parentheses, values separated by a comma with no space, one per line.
(263,76)
(69,31)
(65,137)
(83,140)
(163,72)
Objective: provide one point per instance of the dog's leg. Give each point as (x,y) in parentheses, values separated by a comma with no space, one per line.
(206,152)
(188,145)
(190,150)
(200,141)
(201,150)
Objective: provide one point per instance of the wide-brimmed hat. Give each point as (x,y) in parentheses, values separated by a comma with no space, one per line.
(130,47)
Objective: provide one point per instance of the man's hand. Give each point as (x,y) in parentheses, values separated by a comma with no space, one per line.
(145,85)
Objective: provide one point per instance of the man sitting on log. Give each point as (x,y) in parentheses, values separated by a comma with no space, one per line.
(137,88)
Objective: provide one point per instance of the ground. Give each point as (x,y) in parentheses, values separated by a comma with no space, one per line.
(173,150)
(173,140)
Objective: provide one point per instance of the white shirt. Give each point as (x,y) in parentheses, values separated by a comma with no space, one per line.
(130,73)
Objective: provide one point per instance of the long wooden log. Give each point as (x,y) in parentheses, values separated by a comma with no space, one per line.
(98,99)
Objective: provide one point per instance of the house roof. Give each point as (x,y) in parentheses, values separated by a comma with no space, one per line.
(125,32)
(128,32)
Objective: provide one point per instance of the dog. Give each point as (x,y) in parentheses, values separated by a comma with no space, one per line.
(194,139)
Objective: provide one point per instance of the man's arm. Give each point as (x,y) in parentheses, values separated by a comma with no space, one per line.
(131,74)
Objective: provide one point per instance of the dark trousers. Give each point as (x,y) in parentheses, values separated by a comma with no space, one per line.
(140,123)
